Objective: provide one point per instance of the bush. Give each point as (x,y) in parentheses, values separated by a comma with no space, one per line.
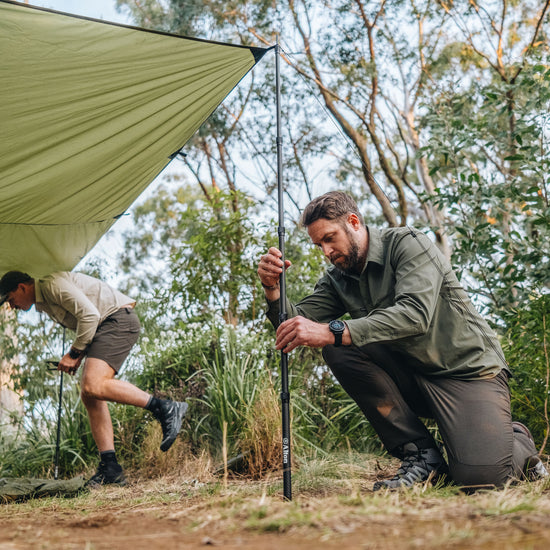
(231,378)
(526,345)
(32,451)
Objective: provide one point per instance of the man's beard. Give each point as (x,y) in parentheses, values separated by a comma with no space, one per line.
(352,262)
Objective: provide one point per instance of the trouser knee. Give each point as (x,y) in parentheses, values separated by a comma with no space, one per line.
(466,474)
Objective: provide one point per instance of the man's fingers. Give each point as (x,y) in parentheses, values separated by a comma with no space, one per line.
(286,335)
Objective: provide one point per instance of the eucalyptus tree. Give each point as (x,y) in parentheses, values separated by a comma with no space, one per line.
(488,146)
(426,93)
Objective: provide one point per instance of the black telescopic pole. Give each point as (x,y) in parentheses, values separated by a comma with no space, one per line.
(58,436)
(285,395)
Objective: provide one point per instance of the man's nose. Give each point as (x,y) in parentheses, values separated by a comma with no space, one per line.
(327,250)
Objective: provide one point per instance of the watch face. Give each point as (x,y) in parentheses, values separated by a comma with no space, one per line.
(337,326)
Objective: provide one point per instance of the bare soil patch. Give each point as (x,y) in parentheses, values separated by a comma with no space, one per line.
(184,514)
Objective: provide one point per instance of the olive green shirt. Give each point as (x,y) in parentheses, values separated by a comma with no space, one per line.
(407,299)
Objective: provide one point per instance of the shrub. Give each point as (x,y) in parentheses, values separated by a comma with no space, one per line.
(526,345)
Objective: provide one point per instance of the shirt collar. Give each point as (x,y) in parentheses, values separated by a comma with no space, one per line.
(38,298)
(375,252)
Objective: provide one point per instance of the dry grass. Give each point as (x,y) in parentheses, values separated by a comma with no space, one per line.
(333,505)
(178,462)
(261,436)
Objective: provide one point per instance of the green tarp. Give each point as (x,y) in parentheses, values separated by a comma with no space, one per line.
(14,489)
(90,113)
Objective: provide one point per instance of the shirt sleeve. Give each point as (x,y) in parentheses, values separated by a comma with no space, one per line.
(68,296)
(418,270)
(321,306)
(419,274)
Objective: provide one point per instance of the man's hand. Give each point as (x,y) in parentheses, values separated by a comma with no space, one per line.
(300,331)
(69,365)
(270,268)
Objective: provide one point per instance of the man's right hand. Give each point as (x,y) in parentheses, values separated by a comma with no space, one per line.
(69,365)
(269,271)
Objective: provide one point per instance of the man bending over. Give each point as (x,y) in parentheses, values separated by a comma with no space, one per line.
(106,328)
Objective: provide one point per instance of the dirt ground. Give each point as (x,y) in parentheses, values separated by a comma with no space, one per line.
(149,516)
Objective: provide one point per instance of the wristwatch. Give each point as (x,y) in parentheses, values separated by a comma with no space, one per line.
(337,328)
(74,353)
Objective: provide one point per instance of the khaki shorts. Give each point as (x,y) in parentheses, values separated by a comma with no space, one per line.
(115,337)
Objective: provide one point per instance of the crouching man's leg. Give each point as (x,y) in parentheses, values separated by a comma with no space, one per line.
(96,373)
(387,394)
(484,446)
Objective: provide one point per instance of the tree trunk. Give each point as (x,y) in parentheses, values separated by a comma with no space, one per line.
(11,403)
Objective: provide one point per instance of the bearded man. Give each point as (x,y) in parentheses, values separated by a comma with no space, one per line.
(411,346)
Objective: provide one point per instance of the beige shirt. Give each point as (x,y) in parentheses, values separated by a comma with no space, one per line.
(78,302)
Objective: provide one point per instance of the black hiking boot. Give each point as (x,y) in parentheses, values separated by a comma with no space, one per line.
(107,473)
(170,415)
(533,469)
(418,466)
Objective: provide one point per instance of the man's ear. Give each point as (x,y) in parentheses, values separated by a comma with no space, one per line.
(24,287)
(354,221)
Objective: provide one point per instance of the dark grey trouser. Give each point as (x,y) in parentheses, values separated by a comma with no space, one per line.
(473,416)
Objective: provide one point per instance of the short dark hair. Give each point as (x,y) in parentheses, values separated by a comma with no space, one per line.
(333,205)
(10,281)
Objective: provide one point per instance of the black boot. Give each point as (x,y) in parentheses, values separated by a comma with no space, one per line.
(108,472)
(170,414)
(417,467)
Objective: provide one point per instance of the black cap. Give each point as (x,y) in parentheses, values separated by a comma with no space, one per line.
(10,281)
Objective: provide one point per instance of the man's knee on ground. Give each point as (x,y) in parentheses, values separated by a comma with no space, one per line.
(467,475)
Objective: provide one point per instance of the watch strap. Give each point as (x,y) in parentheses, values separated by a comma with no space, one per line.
(74,353)
(338,331)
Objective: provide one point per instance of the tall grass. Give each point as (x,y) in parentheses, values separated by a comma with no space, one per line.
(32,451)
(238,394)
(230,376)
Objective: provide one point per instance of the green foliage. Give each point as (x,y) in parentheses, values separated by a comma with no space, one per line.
(204,254)
(228,373)
(214,270)
(32,451)
(527,347)
(234,381)
(501,217)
